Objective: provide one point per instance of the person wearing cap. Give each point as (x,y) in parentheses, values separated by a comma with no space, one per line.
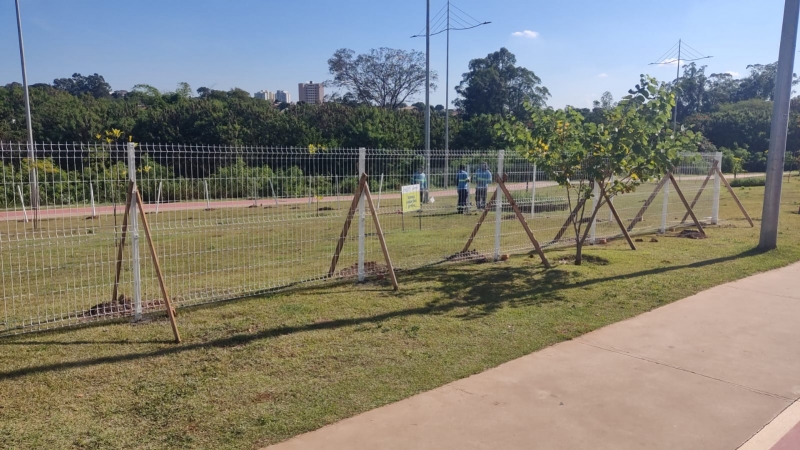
(482,180)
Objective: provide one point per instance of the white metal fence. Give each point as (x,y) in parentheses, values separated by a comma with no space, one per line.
(235,221)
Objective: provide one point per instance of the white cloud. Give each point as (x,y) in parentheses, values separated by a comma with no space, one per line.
(526,34)
(670,62)
(603,75)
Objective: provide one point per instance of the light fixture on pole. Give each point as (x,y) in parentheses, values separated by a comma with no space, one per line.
(33,177)
(674,56)
(444,22)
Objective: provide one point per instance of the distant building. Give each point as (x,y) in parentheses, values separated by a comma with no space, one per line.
(265,95)
(311,93)
(283,96)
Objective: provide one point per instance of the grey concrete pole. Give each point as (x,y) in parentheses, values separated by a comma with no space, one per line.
(780,124)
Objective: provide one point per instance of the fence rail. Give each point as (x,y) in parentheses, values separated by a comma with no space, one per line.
(235,221)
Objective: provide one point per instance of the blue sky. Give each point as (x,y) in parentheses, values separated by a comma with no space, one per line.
(579,48)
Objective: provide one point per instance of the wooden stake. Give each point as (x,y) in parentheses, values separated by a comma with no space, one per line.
(521,218)
(128,201)
(702,188)
(480,221)
(571,217)
(380,235)
(647,203)
(686,204)
(616,217)
(159,274)
(347,223)
(735,198)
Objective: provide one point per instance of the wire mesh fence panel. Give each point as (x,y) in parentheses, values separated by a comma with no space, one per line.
(228,222)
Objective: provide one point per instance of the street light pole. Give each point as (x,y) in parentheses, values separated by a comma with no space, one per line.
(780,124)
(34,182)
(428,91)
(447,105)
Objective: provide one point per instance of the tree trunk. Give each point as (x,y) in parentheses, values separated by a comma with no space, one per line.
(579,253)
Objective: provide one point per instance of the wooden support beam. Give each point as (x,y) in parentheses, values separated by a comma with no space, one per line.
(128,201)
(649,201)
(686,204)
(348,221)
(566,225)
(702,188)
(617,219)
(502,185)
(735,198)
(480,221)
(381,238)
(159,273)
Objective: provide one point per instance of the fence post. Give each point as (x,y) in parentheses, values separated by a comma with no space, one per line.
(91,198)
(134,218)
(208,200)
(664,209)
(158,196)
(593,225)
(22,200)
(498,208)
(533,192)
(362,168)
(715,201)
(380,191)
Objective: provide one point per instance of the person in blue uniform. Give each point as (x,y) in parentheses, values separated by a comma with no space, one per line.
(463,189)
(482,180)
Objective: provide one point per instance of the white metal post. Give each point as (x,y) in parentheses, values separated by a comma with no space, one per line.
(664,209)
(158,196)
(91,198)
(362,210)
(533,192)
(595,201)
(272,189)
(134,217)
(715,201)
(22,200)
(380,191)
(208,200)
(498,208)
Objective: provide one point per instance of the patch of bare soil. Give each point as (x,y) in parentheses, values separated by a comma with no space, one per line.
(690,234)
(121,307)
(371,268)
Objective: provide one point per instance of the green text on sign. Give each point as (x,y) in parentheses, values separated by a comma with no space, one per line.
(410,198)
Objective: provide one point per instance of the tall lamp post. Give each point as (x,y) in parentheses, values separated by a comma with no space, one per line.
(33,177)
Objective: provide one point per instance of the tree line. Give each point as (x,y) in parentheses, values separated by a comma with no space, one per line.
(732,114)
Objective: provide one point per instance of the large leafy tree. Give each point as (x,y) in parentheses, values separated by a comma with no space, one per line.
(496,85)
(635,144)
(78,85)
(384,77)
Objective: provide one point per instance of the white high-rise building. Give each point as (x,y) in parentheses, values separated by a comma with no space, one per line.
(265,95)
(283,96)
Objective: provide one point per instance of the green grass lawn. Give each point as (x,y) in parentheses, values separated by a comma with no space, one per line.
(257,371)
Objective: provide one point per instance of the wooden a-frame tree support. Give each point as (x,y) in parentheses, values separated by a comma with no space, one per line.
(606,200)
(715,169)
(689,212)
(501,186)
(363,188)
(133,195)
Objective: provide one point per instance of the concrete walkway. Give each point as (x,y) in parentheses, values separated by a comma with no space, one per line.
(712,371)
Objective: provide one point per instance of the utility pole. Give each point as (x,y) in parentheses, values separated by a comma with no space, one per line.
(428,91)
(677,79)
(669,58)
(780,124)
(33,176)
(447,104)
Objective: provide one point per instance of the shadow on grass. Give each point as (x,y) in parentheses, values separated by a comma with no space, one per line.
(469,295)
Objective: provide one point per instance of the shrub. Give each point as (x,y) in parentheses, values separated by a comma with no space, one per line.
(749,182)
